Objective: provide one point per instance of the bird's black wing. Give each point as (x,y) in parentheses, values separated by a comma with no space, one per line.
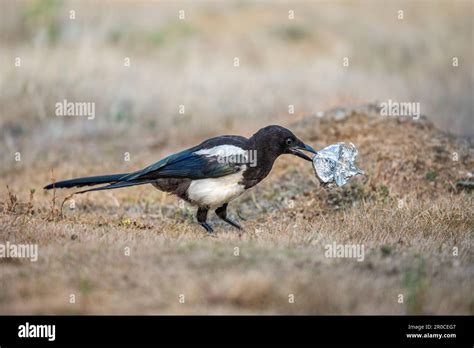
(195,163)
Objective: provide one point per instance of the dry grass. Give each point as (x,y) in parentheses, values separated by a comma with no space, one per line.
(408,251)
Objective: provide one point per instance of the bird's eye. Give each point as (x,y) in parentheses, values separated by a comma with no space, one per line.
(289,141)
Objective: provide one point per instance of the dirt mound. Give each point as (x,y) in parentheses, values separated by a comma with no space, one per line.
(399,153)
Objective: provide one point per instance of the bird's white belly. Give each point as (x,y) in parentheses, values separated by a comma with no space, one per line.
(214,192)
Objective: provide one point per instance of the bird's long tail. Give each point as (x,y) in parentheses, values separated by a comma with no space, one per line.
(114,181)
(87,181)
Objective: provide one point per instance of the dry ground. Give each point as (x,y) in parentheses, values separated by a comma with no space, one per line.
(408,212)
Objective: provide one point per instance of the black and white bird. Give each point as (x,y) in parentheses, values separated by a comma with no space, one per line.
(210,174)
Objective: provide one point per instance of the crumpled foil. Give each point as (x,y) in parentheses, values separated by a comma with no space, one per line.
(335,164)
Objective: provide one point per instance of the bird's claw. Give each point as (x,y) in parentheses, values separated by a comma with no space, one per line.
(207,227)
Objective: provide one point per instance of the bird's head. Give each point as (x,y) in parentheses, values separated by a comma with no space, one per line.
(279,140)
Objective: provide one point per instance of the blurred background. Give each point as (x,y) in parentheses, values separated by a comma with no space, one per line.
(190,62)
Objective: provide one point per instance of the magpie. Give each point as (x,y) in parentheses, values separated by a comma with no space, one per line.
(210,174)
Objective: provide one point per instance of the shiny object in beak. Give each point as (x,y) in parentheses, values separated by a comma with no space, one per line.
(335,164)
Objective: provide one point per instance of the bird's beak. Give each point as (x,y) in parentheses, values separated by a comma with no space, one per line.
(295,151)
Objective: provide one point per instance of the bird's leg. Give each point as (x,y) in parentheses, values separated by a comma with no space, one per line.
(202,217)
(222,214)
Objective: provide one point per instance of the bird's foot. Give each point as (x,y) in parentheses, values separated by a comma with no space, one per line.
(221,212)
(207,227)
(233,223)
